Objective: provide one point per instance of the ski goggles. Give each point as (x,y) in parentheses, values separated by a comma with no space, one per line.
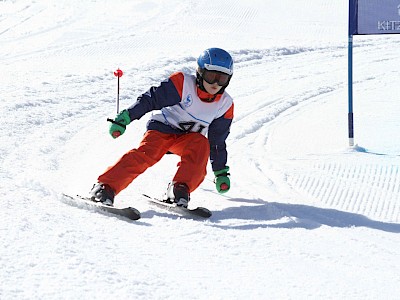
(212,77)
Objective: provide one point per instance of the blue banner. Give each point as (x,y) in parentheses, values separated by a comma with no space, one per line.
(374,17)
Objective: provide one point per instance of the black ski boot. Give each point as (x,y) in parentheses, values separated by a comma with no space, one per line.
(178,192)
(102,193)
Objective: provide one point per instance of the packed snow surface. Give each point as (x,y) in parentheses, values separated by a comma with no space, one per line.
(307,216)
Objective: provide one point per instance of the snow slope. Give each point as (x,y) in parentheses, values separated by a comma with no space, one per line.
(307,217)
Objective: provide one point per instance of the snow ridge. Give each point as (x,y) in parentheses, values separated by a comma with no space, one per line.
(306,217)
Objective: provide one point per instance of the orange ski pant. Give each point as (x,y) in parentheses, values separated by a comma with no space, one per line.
(193,148)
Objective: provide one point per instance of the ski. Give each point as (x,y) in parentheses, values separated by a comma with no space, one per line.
(198,211)
(86,202)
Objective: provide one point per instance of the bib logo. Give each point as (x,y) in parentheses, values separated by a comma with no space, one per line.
(188,101)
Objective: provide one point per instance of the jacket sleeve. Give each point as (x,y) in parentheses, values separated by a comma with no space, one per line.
(217,134)
(166,94)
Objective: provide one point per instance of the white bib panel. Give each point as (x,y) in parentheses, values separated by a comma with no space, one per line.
(192,114)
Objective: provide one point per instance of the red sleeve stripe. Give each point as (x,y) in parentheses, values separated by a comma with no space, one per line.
(229,113)
(177,79)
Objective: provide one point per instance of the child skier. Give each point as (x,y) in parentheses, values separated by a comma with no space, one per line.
(189,108)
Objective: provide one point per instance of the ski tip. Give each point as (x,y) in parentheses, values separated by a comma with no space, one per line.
(135,214)
(203,212)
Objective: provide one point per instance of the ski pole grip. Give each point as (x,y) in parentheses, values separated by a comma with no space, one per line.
(117,123)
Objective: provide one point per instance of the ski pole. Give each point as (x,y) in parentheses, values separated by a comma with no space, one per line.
(118,73)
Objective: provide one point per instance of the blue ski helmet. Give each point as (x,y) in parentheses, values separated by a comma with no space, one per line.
(214,60)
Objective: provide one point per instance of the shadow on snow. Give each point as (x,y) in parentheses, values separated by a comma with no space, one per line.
(281,215)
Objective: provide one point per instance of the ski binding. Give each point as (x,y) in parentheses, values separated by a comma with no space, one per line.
(198,211)
(86,202)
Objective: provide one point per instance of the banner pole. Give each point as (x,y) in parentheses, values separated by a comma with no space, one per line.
(350,91)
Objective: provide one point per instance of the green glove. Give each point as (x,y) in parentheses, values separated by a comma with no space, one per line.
(118,125)
(222,181)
